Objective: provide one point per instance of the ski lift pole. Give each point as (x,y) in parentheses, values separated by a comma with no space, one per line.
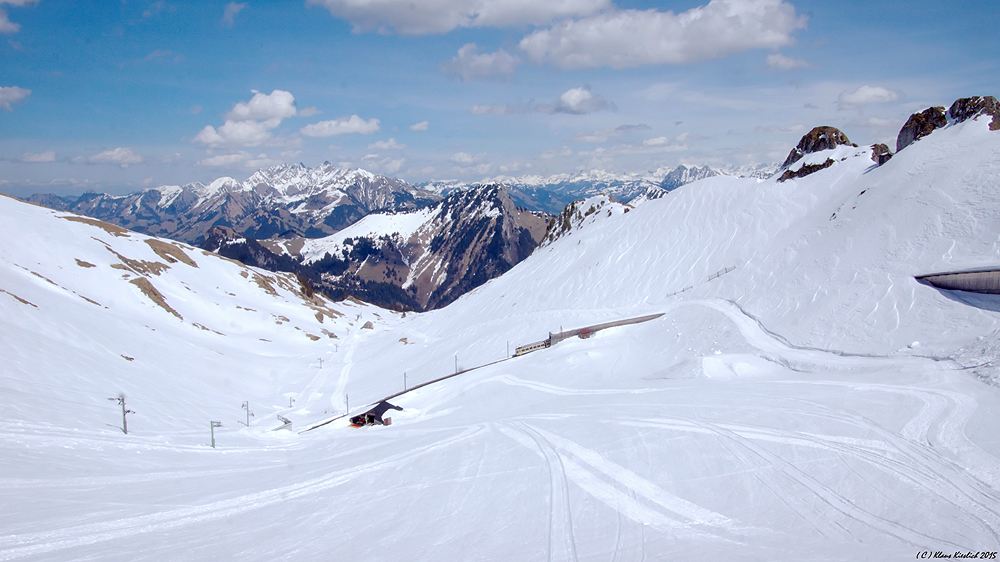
(121,401)
(246,406)
(214,425)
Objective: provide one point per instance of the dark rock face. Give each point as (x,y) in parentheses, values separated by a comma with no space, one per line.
(970,108)
(805,170)
(920,125)
(820,138)
(472,236)
(881,153)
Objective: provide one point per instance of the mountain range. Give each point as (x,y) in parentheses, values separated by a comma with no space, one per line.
(472,232)
(796,392)
(414,260)
(284,200)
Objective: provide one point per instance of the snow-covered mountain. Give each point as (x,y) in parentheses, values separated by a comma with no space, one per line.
(281,200)
(552,193)
(802,396)
(414,260)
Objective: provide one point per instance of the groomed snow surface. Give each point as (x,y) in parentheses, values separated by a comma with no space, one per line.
(812,402)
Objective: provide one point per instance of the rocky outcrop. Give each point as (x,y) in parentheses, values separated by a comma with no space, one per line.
(969,108)
(580,213)
(881,153)
(920,125)
(805,170)
(820,138)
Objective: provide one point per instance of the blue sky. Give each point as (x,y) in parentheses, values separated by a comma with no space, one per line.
(119,95)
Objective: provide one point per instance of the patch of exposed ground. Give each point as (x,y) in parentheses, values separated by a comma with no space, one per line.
(150,291)
(18,299)
(264,283)
(207,329)
(239,263)
(110,228)
(139,267)
(89,300)
(171,252)
(82,263)
(54,284)
(329,334)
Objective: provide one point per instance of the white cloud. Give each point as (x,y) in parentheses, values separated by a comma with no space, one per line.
(390,144)
(550,154)
(631,38)
(250,123)
(607,134)
(230,12)
(866,95)
(156,8)
(383,166)
(118,156)
(878,123)
(778,61)
(509,109)
(279,104)
(421,126)
(441,16)
(463,158)
(655,145)
(309,112)
(776,130)
(466,163)
(48,156)
(242,158)
(342,126)
(7,26)
(12,94)
(577,101)
(223,160)
(470,64)
(238,133)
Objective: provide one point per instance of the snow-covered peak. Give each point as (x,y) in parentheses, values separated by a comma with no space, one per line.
(578,215)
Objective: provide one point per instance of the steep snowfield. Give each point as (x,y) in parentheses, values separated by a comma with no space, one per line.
(813,403)
(372,226)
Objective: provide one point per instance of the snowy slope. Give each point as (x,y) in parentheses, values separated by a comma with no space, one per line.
(104,311)
(780,410)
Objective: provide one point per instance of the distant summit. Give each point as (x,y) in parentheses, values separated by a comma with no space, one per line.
(820,138)
(923,123)
(283,200)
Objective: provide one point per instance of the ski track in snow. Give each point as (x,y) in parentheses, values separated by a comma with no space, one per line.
(566,459)
(32,544)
